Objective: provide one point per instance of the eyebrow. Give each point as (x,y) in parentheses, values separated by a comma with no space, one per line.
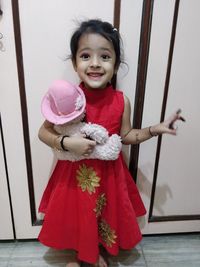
(101,48)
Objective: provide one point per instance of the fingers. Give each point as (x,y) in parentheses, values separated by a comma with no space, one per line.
(92,144)
(180,117)
(88,152)
(176,117)
(83,135)
(173,131)
(89,148)
(90,141)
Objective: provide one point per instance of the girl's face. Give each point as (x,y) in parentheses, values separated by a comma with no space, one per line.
(95,61)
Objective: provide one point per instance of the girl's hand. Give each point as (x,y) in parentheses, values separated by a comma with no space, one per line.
(79,145)
(168,126)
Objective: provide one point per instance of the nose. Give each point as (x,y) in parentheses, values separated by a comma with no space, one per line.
(95,62)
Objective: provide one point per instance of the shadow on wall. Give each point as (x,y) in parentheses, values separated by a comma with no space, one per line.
(162,192)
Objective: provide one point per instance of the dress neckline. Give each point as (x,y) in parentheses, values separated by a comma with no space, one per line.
(96,93)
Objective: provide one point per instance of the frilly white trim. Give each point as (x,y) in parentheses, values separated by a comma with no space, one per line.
(79,103)
(107,148)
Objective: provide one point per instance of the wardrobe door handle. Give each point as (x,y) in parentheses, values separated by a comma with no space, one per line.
(2,48)
(1,12)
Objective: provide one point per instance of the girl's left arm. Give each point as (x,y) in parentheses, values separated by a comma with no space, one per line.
(137,136)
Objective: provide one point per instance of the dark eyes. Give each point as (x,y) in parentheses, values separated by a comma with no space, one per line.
(87,56)
(105,57)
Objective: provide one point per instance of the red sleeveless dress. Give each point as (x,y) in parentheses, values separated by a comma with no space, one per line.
(92,202)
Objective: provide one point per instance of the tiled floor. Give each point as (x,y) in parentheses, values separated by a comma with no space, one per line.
(153,251)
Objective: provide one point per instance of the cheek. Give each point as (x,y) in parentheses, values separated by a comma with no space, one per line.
(80,69)
(80,64)
(111,67)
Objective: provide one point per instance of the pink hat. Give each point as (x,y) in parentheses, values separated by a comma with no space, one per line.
(63,102)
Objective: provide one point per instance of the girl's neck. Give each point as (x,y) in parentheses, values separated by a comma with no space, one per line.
(82,84)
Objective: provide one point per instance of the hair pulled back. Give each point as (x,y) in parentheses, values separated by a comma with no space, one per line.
(102,28)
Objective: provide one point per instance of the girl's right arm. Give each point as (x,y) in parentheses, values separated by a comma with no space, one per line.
(78,145)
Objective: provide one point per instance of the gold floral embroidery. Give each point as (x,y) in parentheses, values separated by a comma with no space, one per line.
(107,234)
(87,179)
(100,203)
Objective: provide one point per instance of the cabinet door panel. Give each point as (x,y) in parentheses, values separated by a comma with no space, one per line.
(168,174)
(6,230)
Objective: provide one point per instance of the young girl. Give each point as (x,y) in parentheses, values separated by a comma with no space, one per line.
(93,202)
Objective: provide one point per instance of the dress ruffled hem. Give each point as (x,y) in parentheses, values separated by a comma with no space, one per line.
(88,203)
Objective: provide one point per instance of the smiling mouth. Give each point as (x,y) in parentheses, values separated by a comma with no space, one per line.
(95,75)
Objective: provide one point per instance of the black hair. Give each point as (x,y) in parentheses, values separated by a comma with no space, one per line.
(97,26)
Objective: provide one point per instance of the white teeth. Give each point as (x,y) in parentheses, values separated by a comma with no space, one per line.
(95,74)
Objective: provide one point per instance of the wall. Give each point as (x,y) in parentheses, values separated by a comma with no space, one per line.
(161,49)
